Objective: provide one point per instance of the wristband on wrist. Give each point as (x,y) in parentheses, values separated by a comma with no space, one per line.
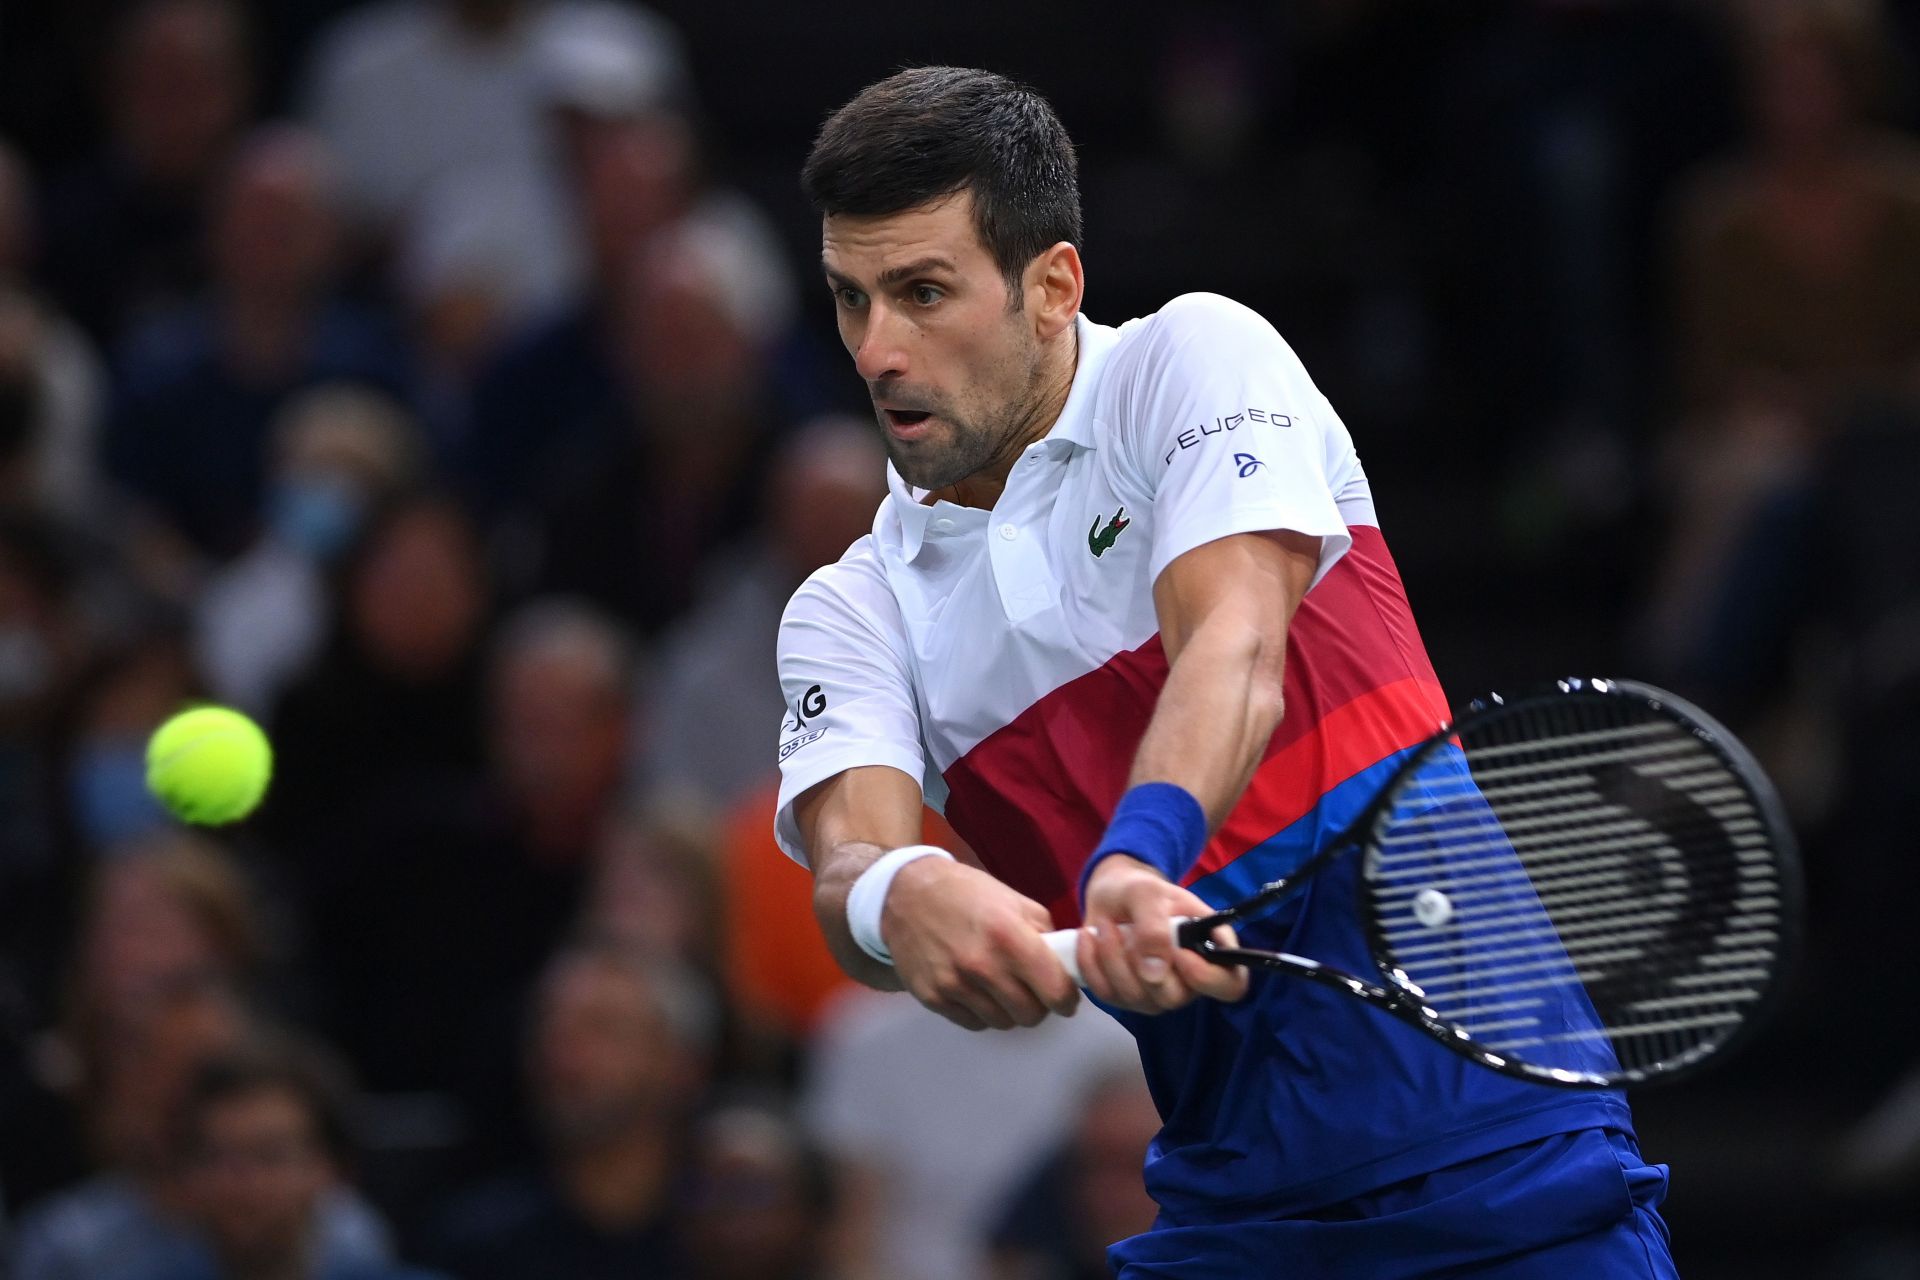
(868,897)
(1159,823)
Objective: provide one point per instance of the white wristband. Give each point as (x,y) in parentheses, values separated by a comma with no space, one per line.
(868,897)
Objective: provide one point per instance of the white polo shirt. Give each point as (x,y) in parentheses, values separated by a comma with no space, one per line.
(946,623)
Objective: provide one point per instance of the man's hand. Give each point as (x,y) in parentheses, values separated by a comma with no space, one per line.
(969,948)
(1127,953)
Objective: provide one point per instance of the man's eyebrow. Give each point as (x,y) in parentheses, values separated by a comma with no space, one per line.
(894,275)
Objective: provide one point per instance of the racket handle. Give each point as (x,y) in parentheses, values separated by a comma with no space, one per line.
(1066,944)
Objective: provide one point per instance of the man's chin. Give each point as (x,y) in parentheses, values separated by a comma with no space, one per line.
(924,465)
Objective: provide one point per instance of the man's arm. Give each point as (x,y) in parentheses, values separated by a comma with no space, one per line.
(966,946)
(1223,608)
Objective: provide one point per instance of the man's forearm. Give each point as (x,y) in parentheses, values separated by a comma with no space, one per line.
(1216,714)
(832,881)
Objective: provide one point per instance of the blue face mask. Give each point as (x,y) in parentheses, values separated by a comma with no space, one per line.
(316,515)
(107,786)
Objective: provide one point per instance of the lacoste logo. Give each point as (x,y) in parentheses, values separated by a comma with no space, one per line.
(1098,539)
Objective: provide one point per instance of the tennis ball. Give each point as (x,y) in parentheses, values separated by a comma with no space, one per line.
(209,765)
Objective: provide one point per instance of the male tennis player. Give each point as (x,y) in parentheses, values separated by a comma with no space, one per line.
(1127,617)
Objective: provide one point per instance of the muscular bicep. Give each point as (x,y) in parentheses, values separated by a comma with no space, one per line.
(1255,580)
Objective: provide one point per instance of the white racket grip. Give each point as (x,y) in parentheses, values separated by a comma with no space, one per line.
(1066,944)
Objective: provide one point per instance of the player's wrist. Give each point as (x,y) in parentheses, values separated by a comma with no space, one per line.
(867,898)
(1159,824)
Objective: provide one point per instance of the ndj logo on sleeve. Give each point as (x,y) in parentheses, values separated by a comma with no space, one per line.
(1193,437)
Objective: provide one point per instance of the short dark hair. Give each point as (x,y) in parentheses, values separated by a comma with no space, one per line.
(930,132)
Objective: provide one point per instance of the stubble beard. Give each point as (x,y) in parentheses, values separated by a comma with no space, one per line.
(968,447)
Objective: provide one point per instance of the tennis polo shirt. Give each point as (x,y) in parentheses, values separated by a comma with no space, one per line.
(1010,660)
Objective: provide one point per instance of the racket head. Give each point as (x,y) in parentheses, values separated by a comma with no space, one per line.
(1593,885)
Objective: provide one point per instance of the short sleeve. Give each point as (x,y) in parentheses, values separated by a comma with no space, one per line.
(844,675)
(1222,425)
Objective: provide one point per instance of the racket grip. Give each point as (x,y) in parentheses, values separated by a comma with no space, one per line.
(1065,943)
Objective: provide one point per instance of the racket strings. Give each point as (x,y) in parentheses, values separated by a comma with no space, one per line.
(1584,884)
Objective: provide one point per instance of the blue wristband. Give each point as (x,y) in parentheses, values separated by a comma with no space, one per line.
(1159,823)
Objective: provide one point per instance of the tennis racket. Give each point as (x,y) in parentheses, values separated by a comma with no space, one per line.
(1592,886)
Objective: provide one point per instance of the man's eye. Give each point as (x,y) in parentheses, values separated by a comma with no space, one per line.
(926,295)
(849,297)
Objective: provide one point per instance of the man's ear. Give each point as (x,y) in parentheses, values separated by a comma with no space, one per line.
(1054,284)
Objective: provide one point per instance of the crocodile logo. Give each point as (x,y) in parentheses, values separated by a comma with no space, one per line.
(1098,539)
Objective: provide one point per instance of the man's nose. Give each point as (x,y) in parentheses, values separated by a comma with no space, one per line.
(881,352)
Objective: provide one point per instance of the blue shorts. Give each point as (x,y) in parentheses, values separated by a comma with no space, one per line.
(1576,1204)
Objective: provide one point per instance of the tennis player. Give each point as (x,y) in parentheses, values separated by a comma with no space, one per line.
(1128,619)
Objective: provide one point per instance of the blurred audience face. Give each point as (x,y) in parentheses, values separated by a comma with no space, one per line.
(606,1062)
(258,1169)
(148,1055)
(166,940)
(824,491)
(753,1214)
(145,938)
(415,596)
(634,176)
(648,895)
(1109,1148)
(107,773)
(180,87)
(559,718)
(274,227)
(339,450)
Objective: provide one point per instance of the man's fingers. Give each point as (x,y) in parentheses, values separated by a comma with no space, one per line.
(1011,997)
(958,1014)
(1114,965)
(1047,977)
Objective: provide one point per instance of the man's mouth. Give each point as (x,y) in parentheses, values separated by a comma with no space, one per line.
(905,423)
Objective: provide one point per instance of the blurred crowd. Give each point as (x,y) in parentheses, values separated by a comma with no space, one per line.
(431,379)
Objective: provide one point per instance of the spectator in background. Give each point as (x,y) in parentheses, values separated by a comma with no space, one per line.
(471,79)
(1087,1194)
(714,697)
(140,680)
(932,1127)
(52,384)
(569,383)
(266,1148)
(635,502)
(760,1199)
(617,1061)
(198,388)
(167,947)
(1799,299)
(339,453)
(125,232)
(42,648)
(381,752)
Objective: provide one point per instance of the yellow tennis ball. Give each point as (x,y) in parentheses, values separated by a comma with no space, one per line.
(209,765)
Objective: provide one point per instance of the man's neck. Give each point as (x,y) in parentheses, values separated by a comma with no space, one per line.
(983,488)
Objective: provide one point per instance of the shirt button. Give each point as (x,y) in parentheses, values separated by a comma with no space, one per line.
(1033,459)
(1009,532)
(943,525)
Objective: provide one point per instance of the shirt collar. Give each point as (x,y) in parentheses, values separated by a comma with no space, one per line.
(1074,428)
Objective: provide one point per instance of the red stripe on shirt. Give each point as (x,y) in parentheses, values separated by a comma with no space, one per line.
(1033,797)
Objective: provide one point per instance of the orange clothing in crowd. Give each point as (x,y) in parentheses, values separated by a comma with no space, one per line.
(778,965)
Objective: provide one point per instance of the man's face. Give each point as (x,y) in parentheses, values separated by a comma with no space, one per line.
(953,367)
(602,1058)
(259,1170)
